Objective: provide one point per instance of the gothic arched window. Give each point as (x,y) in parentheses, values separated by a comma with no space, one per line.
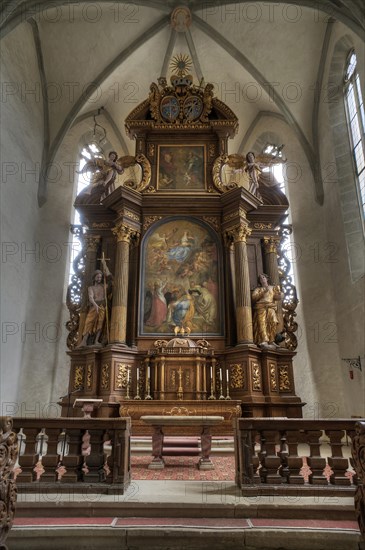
(356,123)
(88,152)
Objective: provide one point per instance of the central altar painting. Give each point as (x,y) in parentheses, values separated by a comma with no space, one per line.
(180,286)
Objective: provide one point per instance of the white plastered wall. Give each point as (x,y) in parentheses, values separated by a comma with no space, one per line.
(348,297)
(21,153)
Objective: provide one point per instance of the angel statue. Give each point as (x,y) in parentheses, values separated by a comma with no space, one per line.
(258,176)
(104,173)
(250,172)
(253,170)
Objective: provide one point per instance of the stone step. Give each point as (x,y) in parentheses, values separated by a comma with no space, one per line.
(183,533)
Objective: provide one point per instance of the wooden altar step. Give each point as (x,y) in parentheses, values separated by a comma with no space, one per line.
(181,446)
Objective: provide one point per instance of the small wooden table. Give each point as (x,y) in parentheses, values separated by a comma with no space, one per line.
(202,424)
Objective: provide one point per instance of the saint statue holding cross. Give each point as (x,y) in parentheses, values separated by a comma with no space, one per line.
(97,318)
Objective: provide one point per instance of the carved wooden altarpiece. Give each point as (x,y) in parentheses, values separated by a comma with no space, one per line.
(186,236)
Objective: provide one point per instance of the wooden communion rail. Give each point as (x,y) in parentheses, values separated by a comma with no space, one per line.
(73,454)
(276,456)
(294,456)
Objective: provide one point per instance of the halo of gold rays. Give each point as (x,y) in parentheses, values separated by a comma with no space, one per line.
(181,64)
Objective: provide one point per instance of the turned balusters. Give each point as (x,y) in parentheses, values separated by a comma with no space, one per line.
(315,461)
(293,461)
(337,462)
(270,460)
(73,450)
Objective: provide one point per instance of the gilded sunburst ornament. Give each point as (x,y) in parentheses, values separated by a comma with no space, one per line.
(181,64)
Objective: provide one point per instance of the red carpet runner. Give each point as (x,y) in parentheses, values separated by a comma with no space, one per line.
(183,468)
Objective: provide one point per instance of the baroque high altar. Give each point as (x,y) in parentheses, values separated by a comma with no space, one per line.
(182,302)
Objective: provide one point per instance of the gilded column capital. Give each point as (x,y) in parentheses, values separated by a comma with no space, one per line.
(124,233)
(271,244)
(91,242)
(239,233)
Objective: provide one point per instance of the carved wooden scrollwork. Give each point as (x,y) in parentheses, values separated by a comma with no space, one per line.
(139,182)
(121,376)
(8,492)
(230,172)
(256,377)
(154,100)
(73,297)
(284,380)
(237,376)
(290,300)
(217,168)
(358,455)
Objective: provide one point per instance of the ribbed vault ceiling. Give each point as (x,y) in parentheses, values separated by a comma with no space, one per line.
(263,57)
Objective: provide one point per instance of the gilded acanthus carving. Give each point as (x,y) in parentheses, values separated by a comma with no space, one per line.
(105,376)
(271,244)
(89,377)
(160,344)
(100,225)
(179,411)
(237,376)
(8,492)
(239,233)
(149,220)
(256,377)
(146,172)
(79,377)
(151,189)
(273,382)
(211,151)
(240,213)
(213,221)
(124,233)
(284,380)
(217,179)
(151,150)
(91,242)
(121,376)
(154,99)
(131,215)
(203,343)
(172,380)
(262,226)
